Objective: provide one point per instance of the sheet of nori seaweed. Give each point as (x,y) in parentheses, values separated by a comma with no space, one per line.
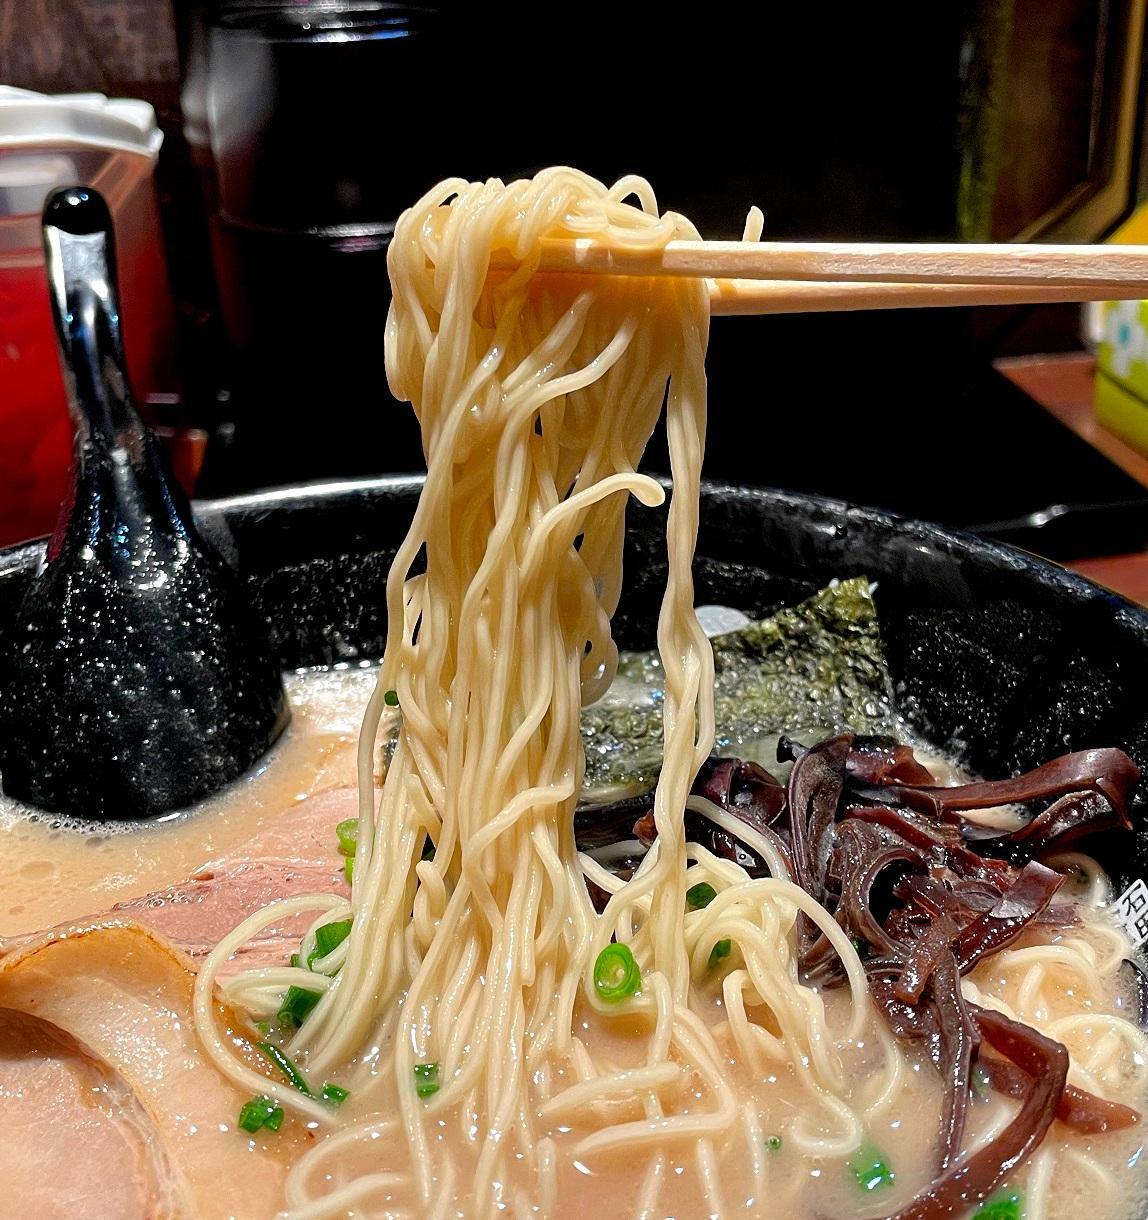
(813,669)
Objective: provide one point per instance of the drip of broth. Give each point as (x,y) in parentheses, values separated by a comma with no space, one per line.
(57,870)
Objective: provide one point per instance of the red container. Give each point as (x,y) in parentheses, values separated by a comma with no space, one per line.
(46,143)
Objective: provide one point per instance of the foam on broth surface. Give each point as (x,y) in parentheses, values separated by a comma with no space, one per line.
(57,869)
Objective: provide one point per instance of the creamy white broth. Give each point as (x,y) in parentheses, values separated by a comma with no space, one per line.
(1103,1177)
(57,871)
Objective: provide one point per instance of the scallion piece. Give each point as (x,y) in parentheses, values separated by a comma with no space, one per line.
(290,1071)
(391,698)
(719,951)
(1005,1205)
(426,1079)
(980,1081)
(329,936)
(347,832)
(260,1112)
(616,974)
(870,1169)
(297,1005)
(296,961)
(349,870)
(774,1143)
(700,896)
(335,1094)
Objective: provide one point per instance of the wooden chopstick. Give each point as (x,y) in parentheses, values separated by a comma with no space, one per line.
(744,297)
(1109,267)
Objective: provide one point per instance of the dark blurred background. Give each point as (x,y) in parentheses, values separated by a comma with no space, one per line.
(296,133)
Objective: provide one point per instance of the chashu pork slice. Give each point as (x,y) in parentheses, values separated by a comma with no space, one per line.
(295,854)
(110,1106)
(68,1120)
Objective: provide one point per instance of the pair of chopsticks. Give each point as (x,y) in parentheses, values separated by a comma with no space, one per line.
(805,277)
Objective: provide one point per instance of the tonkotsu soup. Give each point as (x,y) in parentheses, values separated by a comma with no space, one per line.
(58,870)
(514,925)
(1067,981)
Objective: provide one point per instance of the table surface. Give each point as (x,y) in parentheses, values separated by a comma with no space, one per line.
(1063,386)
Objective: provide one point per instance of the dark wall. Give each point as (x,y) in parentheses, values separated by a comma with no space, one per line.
(838,119)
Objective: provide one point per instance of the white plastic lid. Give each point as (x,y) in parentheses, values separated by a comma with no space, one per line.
(92,120)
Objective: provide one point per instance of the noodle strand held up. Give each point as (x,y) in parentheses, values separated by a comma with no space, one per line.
(474,939)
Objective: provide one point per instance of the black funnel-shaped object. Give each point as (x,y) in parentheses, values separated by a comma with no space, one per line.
(137,679)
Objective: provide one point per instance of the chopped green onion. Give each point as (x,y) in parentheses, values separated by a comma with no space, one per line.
(296,961)
(391,698)
(335,1094)
(870,1169)
(264,1027)
(294,1076)
(347,832)
(260,1112)
(616,974)
(1005,1205)
(428,848)
(426,1079)
(329,936)
(254,1113)
(719,951)
(980,1081)
(297,1005)
(349,870)
(774,1143)
(700,895)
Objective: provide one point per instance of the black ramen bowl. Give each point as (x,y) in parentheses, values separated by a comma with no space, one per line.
(1003,658)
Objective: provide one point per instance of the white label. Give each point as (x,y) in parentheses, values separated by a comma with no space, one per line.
(1131,911)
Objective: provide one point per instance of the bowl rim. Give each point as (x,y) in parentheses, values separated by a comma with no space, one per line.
(1059,580)
(955,541)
